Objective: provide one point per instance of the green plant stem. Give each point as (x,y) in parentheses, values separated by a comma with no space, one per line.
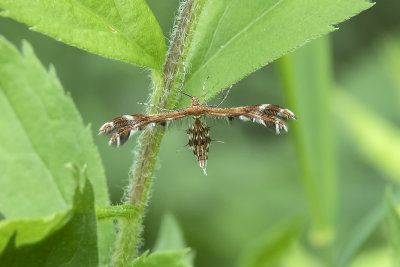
(164,87)
(116,212)
(307,79)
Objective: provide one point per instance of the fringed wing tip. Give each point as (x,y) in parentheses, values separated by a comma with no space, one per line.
(106,127)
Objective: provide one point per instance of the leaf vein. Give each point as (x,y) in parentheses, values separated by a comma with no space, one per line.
(109,24)
(218,25)
(222,47)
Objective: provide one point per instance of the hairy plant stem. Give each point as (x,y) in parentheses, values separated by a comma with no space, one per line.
(129,237)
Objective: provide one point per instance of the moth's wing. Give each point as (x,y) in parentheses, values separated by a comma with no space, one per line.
(121,122)
(122,128)
(274,110)
(269,115)
(119,137)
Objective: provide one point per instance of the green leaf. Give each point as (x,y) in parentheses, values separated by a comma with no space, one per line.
(170,235)
(41,242)
(393,222)
(122,29)
(32,230)
(272,247)
(377,139)
(350,245)
(234,38)
(165,259)
(42,131)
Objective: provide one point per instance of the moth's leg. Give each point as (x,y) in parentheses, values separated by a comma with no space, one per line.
(225,95)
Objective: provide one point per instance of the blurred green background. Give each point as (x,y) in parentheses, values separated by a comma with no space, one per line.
(254,183)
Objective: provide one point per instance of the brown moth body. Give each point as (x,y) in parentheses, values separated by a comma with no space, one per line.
(122,128)
(199,141)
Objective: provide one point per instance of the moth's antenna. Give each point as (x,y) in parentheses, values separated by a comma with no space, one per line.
(225,96)
(204,91)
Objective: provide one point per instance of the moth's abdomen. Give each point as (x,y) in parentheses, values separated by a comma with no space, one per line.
(199,141)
